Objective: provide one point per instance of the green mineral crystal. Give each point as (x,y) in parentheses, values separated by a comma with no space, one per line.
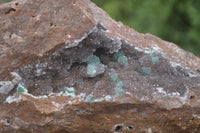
(119,88)
(122,60)
(114,77)
(71,90)
(119,91)
(155,60)
(117,55)
(146,70)
(94,60)
(90,98)
(21,89)
(91,70)
(119,85)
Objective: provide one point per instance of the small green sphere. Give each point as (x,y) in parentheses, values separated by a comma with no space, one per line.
(114,77)
(94,60)
(122,60)
(117,55)
(146,70)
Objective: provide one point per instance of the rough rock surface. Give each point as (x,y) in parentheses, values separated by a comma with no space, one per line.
(66,66)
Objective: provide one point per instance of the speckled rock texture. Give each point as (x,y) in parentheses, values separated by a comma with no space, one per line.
(67,67)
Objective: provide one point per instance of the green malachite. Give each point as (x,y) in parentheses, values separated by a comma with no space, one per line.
(119,85)
(94,60)
(119,91)
(92,65)
(117,55)
(155,60)
(91,69)
(146,70)
(90,98)
(122,60)
(114,77)
(71,90)
(20,89)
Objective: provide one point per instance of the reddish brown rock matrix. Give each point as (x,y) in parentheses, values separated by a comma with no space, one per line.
(66,66)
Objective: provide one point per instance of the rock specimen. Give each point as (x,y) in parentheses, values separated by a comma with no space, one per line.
(66,66)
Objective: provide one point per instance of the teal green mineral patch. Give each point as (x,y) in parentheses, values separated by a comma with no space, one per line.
(152,54)
(155,60)
(119,88)
(94,66)
(149,49)
(123,60)
(71,90)
(119,91)
(91,69)
(114,77)
(21,89)
(119,85)
(117,55)
(94,60)
(146,70)
(120,58)
(90,98)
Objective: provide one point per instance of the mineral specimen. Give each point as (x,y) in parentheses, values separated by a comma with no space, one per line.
(85,72)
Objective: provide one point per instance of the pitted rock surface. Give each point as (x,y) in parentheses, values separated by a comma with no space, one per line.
(66,66)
